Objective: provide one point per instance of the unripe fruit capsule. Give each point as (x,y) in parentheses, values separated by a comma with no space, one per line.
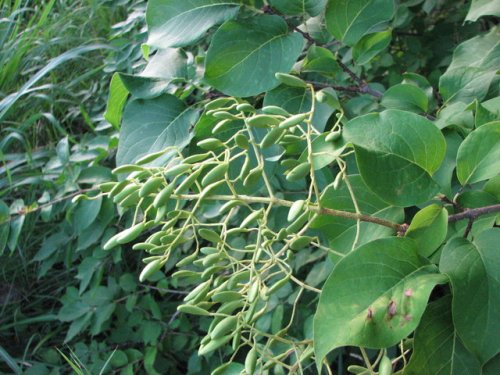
(299,172)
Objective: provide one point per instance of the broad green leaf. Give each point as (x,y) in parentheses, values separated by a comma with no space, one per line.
(244,55)
(296,7)
(86,270)
(85,213)
(370,46)
(446,172)
(479,8)
(153,125)
(4,225)
(397,152)
(77,326)
(321,60)
(323,152)
(173,23)
(144,87)
(350,20)
(428,228)
(438,349)
(16,225)
(474,272)
(50,245)
(472,68)
(167,63)
(393,284)
(492,367)
(406,97)
(479,155)
(117,98)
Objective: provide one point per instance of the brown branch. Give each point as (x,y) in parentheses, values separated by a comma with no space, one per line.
(474,213)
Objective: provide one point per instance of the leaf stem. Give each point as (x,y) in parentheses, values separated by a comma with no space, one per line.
(473,213)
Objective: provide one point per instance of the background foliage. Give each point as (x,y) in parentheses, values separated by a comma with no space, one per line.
(397,107)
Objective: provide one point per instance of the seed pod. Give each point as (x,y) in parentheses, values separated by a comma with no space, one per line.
(188,182)
(143,246)
(150,269)
(251,361)
(192,310)
(177,170)
(263,121)
(250,312)
(220,126)
(298,223)
(230,204)
(211,259)
(127,168)
(236,340)
(223,327)
(250,218)
(333,136)
(278,285)
(214,344)
(211,271)
(131,200)
(230,307)
(130,234)
(208,250)
(289,163)
(196,158)
(295,210)
(238,277)
(155,238)
(245,107)
(209,235)
(160,214)
(254,176)
(358,370)
(187,260)
(221,369)
(328,96)
(210,144)
(226,296)
(290,80)
(118,188)
(245,169)
(299,172)
(290,138)
(292,121)
(274,110)
(300,242)
(218,103)
(223,115)
(216,174)
(151,186)
(271,137)
(106,187)
(281,234)
(198,293)
(241,141)
(126,191)
(385,367)
(253,291)
(164,195)
(150,157)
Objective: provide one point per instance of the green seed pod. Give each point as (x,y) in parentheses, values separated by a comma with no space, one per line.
(177,170)
(221,369)
(277,285)
(226,296)
(253,177)
(271,137)
(130,234)
(187,260)
(251,218)
(106,187)
(263,121)
(150,157)
(131,200)
(329,97)
(292,121)
(223,115)
(214,344)
(196,158)
(253,292)
(245,169)
(160,250)
(236,340)
(192,310)
(210,144)
(160,214)
(289,163)
(274,110)
(187,274)
(151,186)
(211,259)
(299,172)
(251,361)
(358,370)
(298,223)
(220,126)
(230,204)
(241,141)
(118,188)
(209,235)
(143,246)
(127,168)
(111,243)
(216,174)
(333,136)
(126,191)
(290,80)
(295,210)
(208,250)
(300,242)
(211,271)
(237,278)
(245,107)
(163,196)
(385,367)
(230,307)
(198,293)
(218,103)
(150,269)
(188,182)
(155,238)
(290,138)
(250,312)
(223,327)
(281,234)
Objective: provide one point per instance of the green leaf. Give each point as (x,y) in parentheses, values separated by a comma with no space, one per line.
(406,97)
(77,326)
(321,60)
(167,63)
(86,270)
(472,69)
(9,361)
(479,155)
(153,125)
(323,152)
(173,23)
(438,349)
(370,46)
(479,8)
(50,245)
(492,367)
(428,228)
(245,55)
(144,87)
(350,20)
(393,285)
(474,272)
(297,7)
(85,213)
(5,227)
(117,98)
(397,152)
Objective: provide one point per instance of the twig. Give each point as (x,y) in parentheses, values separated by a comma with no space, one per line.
(473,213)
